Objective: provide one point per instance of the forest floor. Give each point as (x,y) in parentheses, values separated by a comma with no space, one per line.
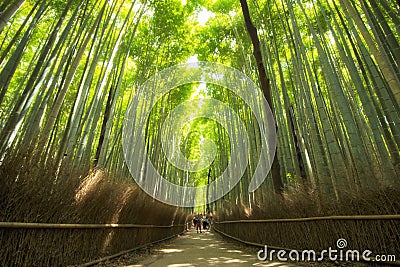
(203,249)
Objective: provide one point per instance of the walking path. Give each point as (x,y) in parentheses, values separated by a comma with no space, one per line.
(204,249)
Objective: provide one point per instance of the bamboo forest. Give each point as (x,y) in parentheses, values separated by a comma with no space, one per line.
(272,127)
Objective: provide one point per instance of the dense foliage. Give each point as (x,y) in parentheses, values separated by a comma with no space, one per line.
(69,69)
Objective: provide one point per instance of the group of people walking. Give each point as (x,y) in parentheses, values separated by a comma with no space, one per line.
(201,221)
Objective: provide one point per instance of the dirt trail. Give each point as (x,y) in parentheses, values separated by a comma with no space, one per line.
(203,249)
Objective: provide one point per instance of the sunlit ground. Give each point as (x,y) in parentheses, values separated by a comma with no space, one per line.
(203,249)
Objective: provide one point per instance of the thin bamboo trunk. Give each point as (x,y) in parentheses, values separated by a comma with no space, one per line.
(382,61)
(265,86)
(7,14)
(11,127)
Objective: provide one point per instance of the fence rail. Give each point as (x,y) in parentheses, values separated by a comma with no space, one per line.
(22,225)
(353,217)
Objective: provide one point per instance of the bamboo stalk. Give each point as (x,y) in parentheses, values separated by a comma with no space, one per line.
(20,225)
(340,217)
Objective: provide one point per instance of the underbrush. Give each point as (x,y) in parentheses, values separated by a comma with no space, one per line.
(381,236)
(31,193)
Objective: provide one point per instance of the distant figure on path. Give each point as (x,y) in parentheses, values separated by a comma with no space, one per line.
(205,224)
(198,222)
